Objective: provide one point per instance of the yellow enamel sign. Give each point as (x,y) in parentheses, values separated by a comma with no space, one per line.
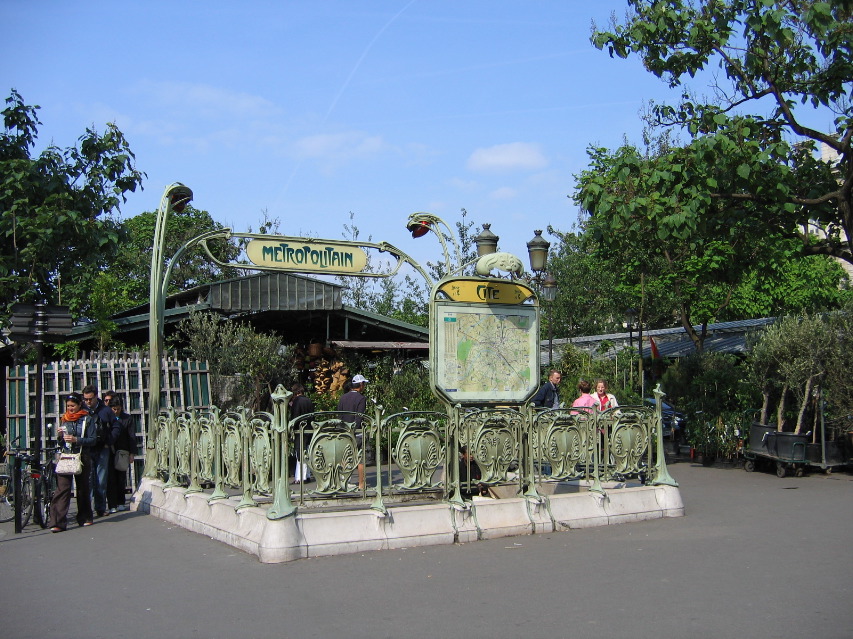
(485,291)
(294,254)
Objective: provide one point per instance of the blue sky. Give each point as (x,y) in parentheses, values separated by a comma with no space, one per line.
(313,110)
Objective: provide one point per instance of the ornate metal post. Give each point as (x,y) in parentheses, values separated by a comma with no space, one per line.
(246,471)
(281,506)
(175,198)
(218,473)
(172,423)
(194,486)
(662,476)
(378,424)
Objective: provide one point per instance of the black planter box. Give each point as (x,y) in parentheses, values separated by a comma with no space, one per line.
(766,440)
(759,437)
(789,446)
(835,454)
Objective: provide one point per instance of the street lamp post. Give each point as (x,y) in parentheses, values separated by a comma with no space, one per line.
(175,198)
(537,251)
(630,315)
(549,293)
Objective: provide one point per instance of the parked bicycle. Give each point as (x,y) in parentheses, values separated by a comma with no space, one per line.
(12,493)
(7,494)
(38,485)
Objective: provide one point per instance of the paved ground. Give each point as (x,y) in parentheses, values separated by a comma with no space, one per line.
(756,556)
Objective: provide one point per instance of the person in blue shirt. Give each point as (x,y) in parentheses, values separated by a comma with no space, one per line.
(549,395)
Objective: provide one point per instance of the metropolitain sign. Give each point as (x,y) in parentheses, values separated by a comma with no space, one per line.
(296,254)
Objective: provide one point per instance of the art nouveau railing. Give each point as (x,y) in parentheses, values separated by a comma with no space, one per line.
(427,455)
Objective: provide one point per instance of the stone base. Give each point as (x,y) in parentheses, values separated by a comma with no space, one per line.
(314,534)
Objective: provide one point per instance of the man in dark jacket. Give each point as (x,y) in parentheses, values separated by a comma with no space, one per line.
(122,442)
(549,395)
(355,402)
(100,452)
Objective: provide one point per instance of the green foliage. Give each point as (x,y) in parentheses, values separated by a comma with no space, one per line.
(54,208)
(791,57)
(66,350)
(132,263)
(709,385)
(800,357)
(234,349)
(700,245)
(575,365)
(108,294)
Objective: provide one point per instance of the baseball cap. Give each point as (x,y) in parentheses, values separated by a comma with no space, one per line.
(359,379)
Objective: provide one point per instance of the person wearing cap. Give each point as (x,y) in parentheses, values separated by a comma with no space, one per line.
(354,401)
(77,434)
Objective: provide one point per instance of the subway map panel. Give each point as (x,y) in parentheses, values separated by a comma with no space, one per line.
(486,353)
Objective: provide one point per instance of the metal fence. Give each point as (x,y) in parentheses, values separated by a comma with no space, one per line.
(418,455)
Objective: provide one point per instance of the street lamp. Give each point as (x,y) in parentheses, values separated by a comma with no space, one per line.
(176,196)
(486,241)
(537,251)
(630,316)
(419,224)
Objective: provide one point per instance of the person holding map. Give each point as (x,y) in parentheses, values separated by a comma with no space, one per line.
(549,395)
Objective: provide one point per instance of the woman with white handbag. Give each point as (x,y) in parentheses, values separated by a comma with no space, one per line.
(77,434)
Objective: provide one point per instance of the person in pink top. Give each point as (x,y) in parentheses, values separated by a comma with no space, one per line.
(585,400)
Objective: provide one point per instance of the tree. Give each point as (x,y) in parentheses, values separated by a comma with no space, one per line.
(659,234)
(132,262)
(792,359)
(788,58)
(257,361)
(55,208)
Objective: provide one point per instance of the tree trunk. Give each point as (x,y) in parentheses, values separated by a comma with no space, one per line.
(765,405)
(780,411)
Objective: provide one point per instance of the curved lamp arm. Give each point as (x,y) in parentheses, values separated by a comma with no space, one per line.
(421,223)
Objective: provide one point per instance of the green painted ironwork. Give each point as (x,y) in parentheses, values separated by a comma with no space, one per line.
(243,455)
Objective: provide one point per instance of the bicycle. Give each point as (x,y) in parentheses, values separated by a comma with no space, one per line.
(44,477)
(7,497)
(7,506)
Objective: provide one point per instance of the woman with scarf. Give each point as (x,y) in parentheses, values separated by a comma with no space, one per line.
(77,434)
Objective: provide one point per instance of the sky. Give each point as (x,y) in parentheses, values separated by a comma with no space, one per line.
(316,111)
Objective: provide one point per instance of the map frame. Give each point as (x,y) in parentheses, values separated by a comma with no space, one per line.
(490,385)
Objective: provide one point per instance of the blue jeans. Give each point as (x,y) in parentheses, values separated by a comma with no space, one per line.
(100,465)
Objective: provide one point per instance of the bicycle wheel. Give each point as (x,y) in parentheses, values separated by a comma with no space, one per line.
(26,501)
(7,504)
(47,486)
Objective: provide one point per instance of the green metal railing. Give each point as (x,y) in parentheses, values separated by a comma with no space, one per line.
(419,455)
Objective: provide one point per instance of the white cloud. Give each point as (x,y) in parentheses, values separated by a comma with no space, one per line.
(205,100)
(464,185)
(338,147)
(503,193)
(508,157)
